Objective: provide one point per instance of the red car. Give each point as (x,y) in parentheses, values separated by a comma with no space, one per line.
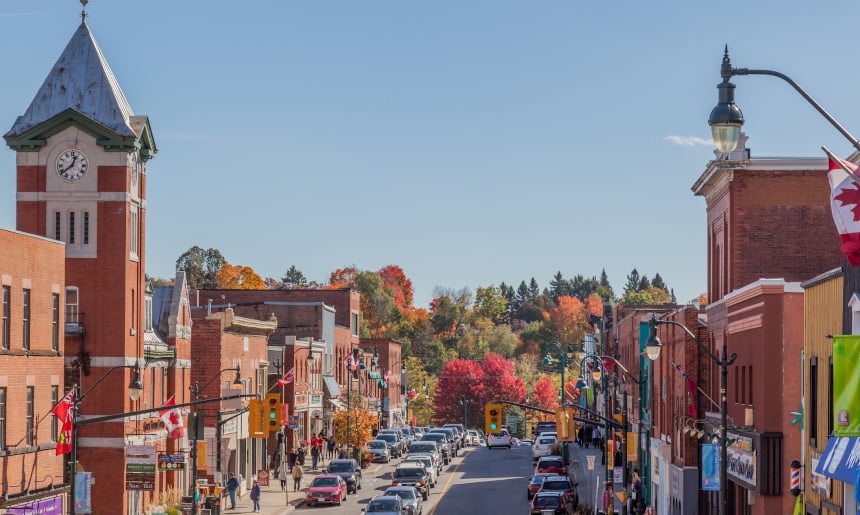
(326,489)
(551,465)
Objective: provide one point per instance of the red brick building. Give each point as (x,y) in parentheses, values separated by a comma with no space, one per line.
(32,281)
(766,218)
(220,343)
(389,391)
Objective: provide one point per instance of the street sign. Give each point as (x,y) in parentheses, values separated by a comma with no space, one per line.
(590,462)
(618,475)
(168,462)
(140,467)
(294,422)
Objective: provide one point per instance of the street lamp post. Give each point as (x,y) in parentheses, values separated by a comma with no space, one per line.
(562,365)
(195,390)
(135,387)
(464,401)
(652,348)
(726,118)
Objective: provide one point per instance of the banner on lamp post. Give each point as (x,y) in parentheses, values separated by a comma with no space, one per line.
(710,467)
(846,385)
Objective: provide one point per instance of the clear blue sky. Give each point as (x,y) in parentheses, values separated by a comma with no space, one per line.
(469,142)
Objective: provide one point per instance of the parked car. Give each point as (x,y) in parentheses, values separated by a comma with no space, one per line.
(441,440)
(412,474)
(401,440)
(386,505)
(543,427)
(379,450)
(547,502)
(551,465)
(452,438)
(408,435)
(427,462)
(410,496)
(329,488)
(562,485)
(393,443)
(461,433)
(535,483)
(498,440)
(545,445)
(349,470)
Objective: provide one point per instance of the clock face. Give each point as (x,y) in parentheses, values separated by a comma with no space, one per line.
(72,165)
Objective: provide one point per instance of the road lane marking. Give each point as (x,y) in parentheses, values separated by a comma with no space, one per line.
(445,488)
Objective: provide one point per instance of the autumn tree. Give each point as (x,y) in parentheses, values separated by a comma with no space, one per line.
(342,278)
(500,381)
(239,278)
(545,394)
(201,267)
(397,285)
(377,306)
(490,303)
(359,420)
(569,321)
(416,379)
(459,378)
(650,296)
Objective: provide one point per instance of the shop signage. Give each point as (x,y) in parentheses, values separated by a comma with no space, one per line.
(294,422)
(316,398)
(168,462)
(230,427)
(50,506)
(301,400)
(140,467)
(741,459)
(820,483)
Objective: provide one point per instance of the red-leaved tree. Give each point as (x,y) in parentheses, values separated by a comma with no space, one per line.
(545,393)
(458,378)
(396,283)
(500,380)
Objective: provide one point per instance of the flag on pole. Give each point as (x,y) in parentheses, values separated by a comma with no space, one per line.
(172,419)
(691,391)
(348,361)
(64,439)
(288,377)
(65,412)
(387,375)
(845,205)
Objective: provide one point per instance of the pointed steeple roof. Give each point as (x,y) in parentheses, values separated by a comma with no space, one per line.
(80,80)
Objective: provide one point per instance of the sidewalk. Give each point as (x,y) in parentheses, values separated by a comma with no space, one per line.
(274,502)
(590,481)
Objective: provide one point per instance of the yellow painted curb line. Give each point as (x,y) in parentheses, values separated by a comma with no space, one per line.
(445,488)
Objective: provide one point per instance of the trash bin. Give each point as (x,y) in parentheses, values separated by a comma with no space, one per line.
(213,504)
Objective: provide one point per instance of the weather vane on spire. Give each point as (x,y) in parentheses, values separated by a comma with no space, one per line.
(84,11)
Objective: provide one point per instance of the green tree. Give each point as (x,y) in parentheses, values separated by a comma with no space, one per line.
(606,292)
(201,266)
(657,282)
(377,305)
(651,296)
(632,282)
(644,283)
(559,286)
(490,303)
(294,278)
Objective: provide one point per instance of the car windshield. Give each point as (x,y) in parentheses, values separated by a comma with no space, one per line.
(376,445)
(324,481)
(342,466)
(424,461)
(547,501)
(403,494)
(384,505)
(555,485)
(538,479)
(422,447)
(387,437)
(408,472)
(435,437)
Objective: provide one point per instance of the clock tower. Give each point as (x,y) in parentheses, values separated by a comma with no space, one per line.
(81,179)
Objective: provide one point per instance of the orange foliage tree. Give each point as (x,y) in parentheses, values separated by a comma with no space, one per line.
(342,278)
(239,278)
(397,284)
(569,321)
(360,421)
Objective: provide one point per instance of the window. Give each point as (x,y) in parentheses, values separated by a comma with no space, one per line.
(7,312)
(55,322)
(30,415)
(147,313)
(55,399)
(86,227)
(152,388)
(57,234)
(813,400)
(72,315)
(71,228)
(25,333)
(132,310)
(354,324)
(2,418)
(133,233)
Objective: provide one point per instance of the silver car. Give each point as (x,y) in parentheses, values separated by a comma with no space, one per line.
(429,465)
(379,450)
(386,505)
(410,496)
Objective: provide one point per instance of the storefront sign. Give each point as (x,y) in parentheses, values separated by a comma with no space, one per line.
(316,398)
(710,467)
(846,385)
(50,506)
(140,467)
(301,401)
(820,483)
(741,459)
(168,462)
(294,422)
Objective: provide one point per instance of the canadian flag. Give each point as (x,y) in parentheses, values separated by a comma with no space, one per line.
(288,377)
(845,205)
(348,361)
(386,376)
(172,419)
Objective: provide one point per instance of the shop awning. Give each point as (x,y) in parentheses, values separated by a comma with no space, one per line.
(332,386)
(337,404)
(373,374)
(840,458)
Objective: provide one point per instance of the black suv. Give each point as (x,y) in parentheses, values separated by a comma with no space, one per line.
(412,474)
(349,471)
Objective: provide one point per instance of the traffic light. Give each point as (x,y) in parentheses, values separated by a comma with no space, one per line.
(256,429)
(492,418)
(272,412)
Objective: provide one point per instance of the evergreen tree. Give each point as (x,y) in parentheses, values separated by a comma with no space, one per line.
(644,283)
(534,290)
(672,295)
(657,282)
(632,282)
(522,294)
(606,292)
(582,288)
(294,278)
(559,287)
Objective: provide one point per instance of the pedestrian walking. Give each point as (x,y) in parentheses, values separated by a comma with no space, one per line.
(315,456)
(301,455)
(294,458)
(283,475)
(596,438)
(297,477)
(586,436)
(255,496)
(330,448)
(232,487)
